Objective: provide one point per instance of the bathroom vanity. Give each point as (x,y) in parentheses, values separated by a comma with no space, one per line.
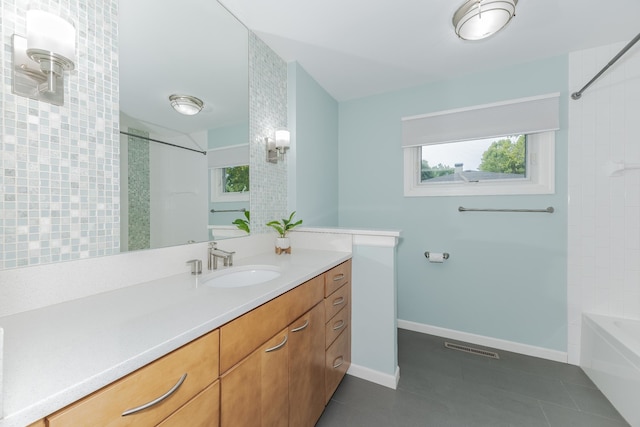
(274,352)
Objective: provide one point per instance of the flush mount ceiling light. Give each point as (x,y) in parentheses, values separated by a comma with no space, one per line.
(479,19)
(186,104)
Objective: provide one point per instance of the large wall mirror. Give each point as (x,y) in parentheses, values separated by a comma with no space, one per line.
(184,178)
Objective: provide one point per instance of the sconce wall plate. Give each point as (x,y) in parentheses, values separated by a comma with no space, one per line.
(272,153)
(28,79)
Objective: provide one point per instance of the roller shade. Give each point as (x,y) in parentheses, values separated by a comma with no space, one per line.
(236,155)
(520,116)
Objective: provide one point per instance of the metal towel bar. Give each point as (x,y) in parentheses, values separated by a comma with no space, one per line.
(227,210)
(547,210)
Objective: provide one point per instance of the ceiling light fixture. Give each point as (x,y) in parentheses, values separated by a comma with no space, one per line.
(186,104)
(479,19)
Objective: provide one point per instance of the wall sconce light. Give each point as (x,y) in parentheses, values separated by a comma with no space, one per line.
(41,58)
(479,19)
(186,104)
(276,147)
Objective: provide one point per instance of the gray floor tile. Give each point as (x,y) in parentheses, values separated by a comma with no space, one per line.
(559,416)
(442,387)
(536,386)
(591,400)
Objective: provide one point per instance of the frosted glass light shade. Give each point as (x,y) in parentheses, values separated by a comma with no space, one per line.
(50,33)
(478,19)
(283,138)
(186,104)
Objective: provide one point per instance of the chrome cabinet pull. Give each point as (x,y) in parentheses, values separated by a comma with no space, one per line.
(338,301)
(338,277)
(337,365)
(279,346)
(158,400)
(301,327)
(338,325)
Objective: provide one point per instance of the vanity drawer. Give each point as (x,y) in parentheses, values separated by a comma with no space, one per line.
(336,277)
(337,361)
(241,336)
(337,301)
(197,360)
(201,411)
(336,325)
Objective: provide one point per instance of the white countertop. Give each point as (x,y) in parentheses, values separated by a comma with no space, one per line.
(55,355)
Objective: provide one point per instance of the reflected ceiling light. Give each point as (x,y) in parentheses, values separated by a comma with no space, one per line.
(478,19)
(186,104)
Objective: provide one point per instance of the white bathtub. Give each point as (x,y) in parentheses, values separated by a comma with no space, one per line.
(610,355)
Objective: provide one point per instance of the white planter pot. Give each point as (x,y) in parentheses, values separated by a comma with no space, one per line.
(283,242)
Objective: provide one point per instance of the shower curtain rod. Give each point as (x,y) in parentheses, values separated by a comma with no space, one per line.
(577,95)
(162,142)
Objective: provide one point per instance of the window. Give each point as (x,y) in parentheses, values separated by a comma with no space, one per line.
(230,184)
(443,158)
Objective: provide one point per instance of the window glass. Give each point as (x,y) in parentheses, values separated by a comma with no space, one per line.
(502,158)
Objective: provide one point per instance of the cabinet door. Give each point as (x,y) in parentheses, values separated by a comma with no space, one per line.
(338,360)
(201,411)
(254,392)
(306,368)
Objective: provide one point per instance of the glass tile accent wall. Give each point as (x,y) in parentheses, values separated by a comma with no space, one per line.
(268,111)
(59,173)
(139,192)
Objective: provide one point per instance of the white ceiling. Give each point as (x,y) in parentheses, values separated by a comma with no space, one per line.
(356,48)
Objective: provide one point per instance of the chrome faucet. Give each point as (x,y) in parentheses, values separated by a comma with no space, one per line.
(215,254)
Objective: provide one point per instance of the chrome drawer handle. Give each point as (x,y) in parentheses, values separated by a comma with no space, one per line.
(279,346)
(156,401)
(338,277)
(301,327)
(338,325)
(338,301)
(337,365)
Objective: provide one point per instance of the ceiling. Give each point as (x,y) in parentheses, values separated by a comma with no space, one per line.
(357,48)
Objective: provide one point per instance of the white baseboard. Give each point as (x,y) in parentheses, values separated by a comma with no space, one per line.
(377,377)
(529,350)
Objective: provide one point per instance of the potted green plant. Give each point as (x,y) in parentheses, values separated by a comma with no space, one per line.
(283,227)
(244,223)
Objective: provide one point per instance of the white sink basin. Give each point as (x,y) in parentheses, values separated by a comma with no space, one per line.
(236,277)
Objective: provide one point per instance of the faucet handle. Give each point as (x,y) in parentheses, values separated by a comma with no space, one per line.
(213,245)
(196,266)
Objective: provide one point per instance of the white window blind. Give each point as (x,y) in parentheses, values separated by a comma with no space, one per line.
(235,155)
(519,116)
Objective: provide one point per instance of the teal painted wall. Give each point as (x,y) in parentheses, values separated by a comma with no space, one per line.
(506,278)
(229,135)
(312,162)
(219,138)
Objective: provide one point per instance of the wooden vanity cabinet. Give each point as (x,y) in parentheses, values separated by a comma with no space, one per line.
(254,392)
(277,365)
(286,373)
(198,360)
(306,368)
(337,306)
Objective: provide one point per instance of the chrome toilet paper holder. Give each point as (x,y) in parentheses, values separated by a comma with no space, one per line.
(445,255)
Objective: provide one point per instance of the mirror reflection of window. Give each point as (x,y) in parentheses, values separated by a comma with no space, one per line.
(230,184)
(236,179)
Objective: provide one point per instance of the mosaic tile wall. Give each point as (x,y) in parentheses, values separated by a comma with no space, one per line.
(267,111)
(139,193)
(59,173)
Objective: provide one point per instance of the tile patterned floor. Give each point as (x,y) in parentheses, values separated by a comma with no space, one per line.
(441,388)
